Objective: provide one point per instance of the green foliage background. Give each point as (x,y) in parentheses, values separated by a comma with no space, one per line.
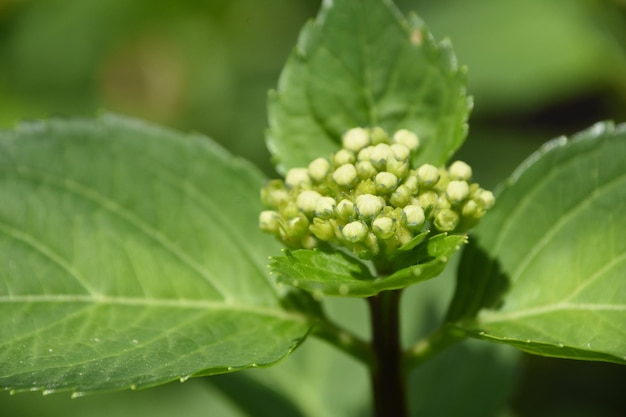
(537,69)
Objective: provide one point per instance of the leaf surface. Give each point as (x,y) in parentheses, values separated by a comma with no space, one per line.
(129,257)
(337,273)
(546,268)
(361,63)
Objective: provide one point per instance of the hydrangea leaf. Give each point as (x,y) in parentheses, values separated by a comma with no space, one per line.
(130,257)
(337,273)
(361,63)
(545,269)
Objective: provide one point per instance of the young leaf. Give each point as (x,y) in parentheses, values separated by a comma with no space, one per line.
(361,63)
(129,257)
(545,270)
(337,273)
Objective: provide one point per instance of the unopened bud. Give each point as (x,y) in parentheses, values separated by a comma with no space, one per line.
(365,170)
(297,227)
(457,191)
(471,210)
(298,177)
(428,199)
(400,151)
(487,199)
(274,194)
(459,170)
(386,182)
(345,209)
(307,201)
(354,231)
(345,175)
(344,156)
(356,139)
(325,207)
(397,167)
(378,135)
(406,138)
(427,175)
(446,220)
(368,205)
(318,169)
(269,221)
(401,196)
(413,216)
(322,229)
(383,227)
(379,155)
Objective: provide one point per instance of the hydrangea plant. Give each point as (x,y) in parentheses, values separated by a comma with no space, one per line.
(132,256)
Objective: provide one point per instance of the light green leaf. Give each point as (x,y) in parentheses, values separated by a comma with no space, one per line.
(361,63)
(545,270)
(130,257)
(336,273)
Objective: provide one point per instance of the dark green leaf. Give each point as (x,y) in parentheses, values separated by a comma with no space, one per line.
(545,270)
(336,273)
(129,257)
(361,63)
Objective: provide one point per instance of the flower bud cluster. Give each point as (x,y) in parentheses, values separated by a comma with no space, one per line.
(367,197)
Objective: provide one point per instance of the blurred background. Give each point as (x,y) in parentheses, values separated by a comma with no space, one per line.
(537,69)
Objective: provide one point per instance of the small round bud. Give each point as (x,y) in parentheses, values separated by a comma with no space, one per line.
(307,201)
(411,183)
(322,229)
(368,205)
(400,151)
(269,221)
(413,216)
(401,196)
(406,138)
(427,175)
(345,209)
(459,170)
(318,169)
(325,207)
(398,168)
(298,177)
(487,198)
(471,210)
(365,153)
(354,231)
(378,135)
(446,220)
(383,227)
(428,199)
(356,139)
(457,191)
(297,227)
(379,155)
(367,186)
(343,156)
(345,175)
(274,194)
(386,182)
(365,170)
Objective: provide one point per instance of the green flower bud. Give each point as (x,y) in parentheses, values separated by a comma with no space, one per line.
(297,227)
(318,169)
(345,175)
(459,170)
(325,207)
(378,135)
(356,139)
(401,196)
(354,231)
(307,201)
(411,183)
(365,170)
(487,198)
(383,227)
(269,221)
(322,229)
(400,152)
(413,216)
(446,220)
(427,175)
(398,168)
(371,243)
(386,182)
(406,138)
(365,154)
(428,199)
(343,156)
(471,210)
(345,209)
(298,177)
(366,187)
(274,194)
(457,191)
(379,155)
(368,205)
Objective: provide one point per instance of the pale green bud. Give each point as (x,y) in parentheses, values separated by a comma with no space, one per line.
(269,221)
(406,138)
(470,209)
(368,205)
(371,243)
(325,207)
(400,151)
(487,199)
(344,156)
(383,227)
(318,169)
(413,216)
(345,175)
(446,220)
(398,168)
(356,139)
(459,170)
(354,231)
(297,227)
(290,210)
(401,196)
(365,154)
(411,183)
(274,194)
(366,187)
(298,177)
(307,201)
(345,209)
(378,135)
(457,191)
(379,155)
(365,170)
(427,175)
(322,229)
(386,182)
(428,199)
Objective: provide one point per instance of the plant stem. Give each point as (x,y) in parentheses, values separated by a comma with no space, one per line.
(388,379)
(344,340)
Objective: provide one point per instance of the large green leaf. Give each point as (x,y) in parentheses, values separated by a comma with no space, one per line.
(129,257)
(546,268)
(336,273)
(361,63)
